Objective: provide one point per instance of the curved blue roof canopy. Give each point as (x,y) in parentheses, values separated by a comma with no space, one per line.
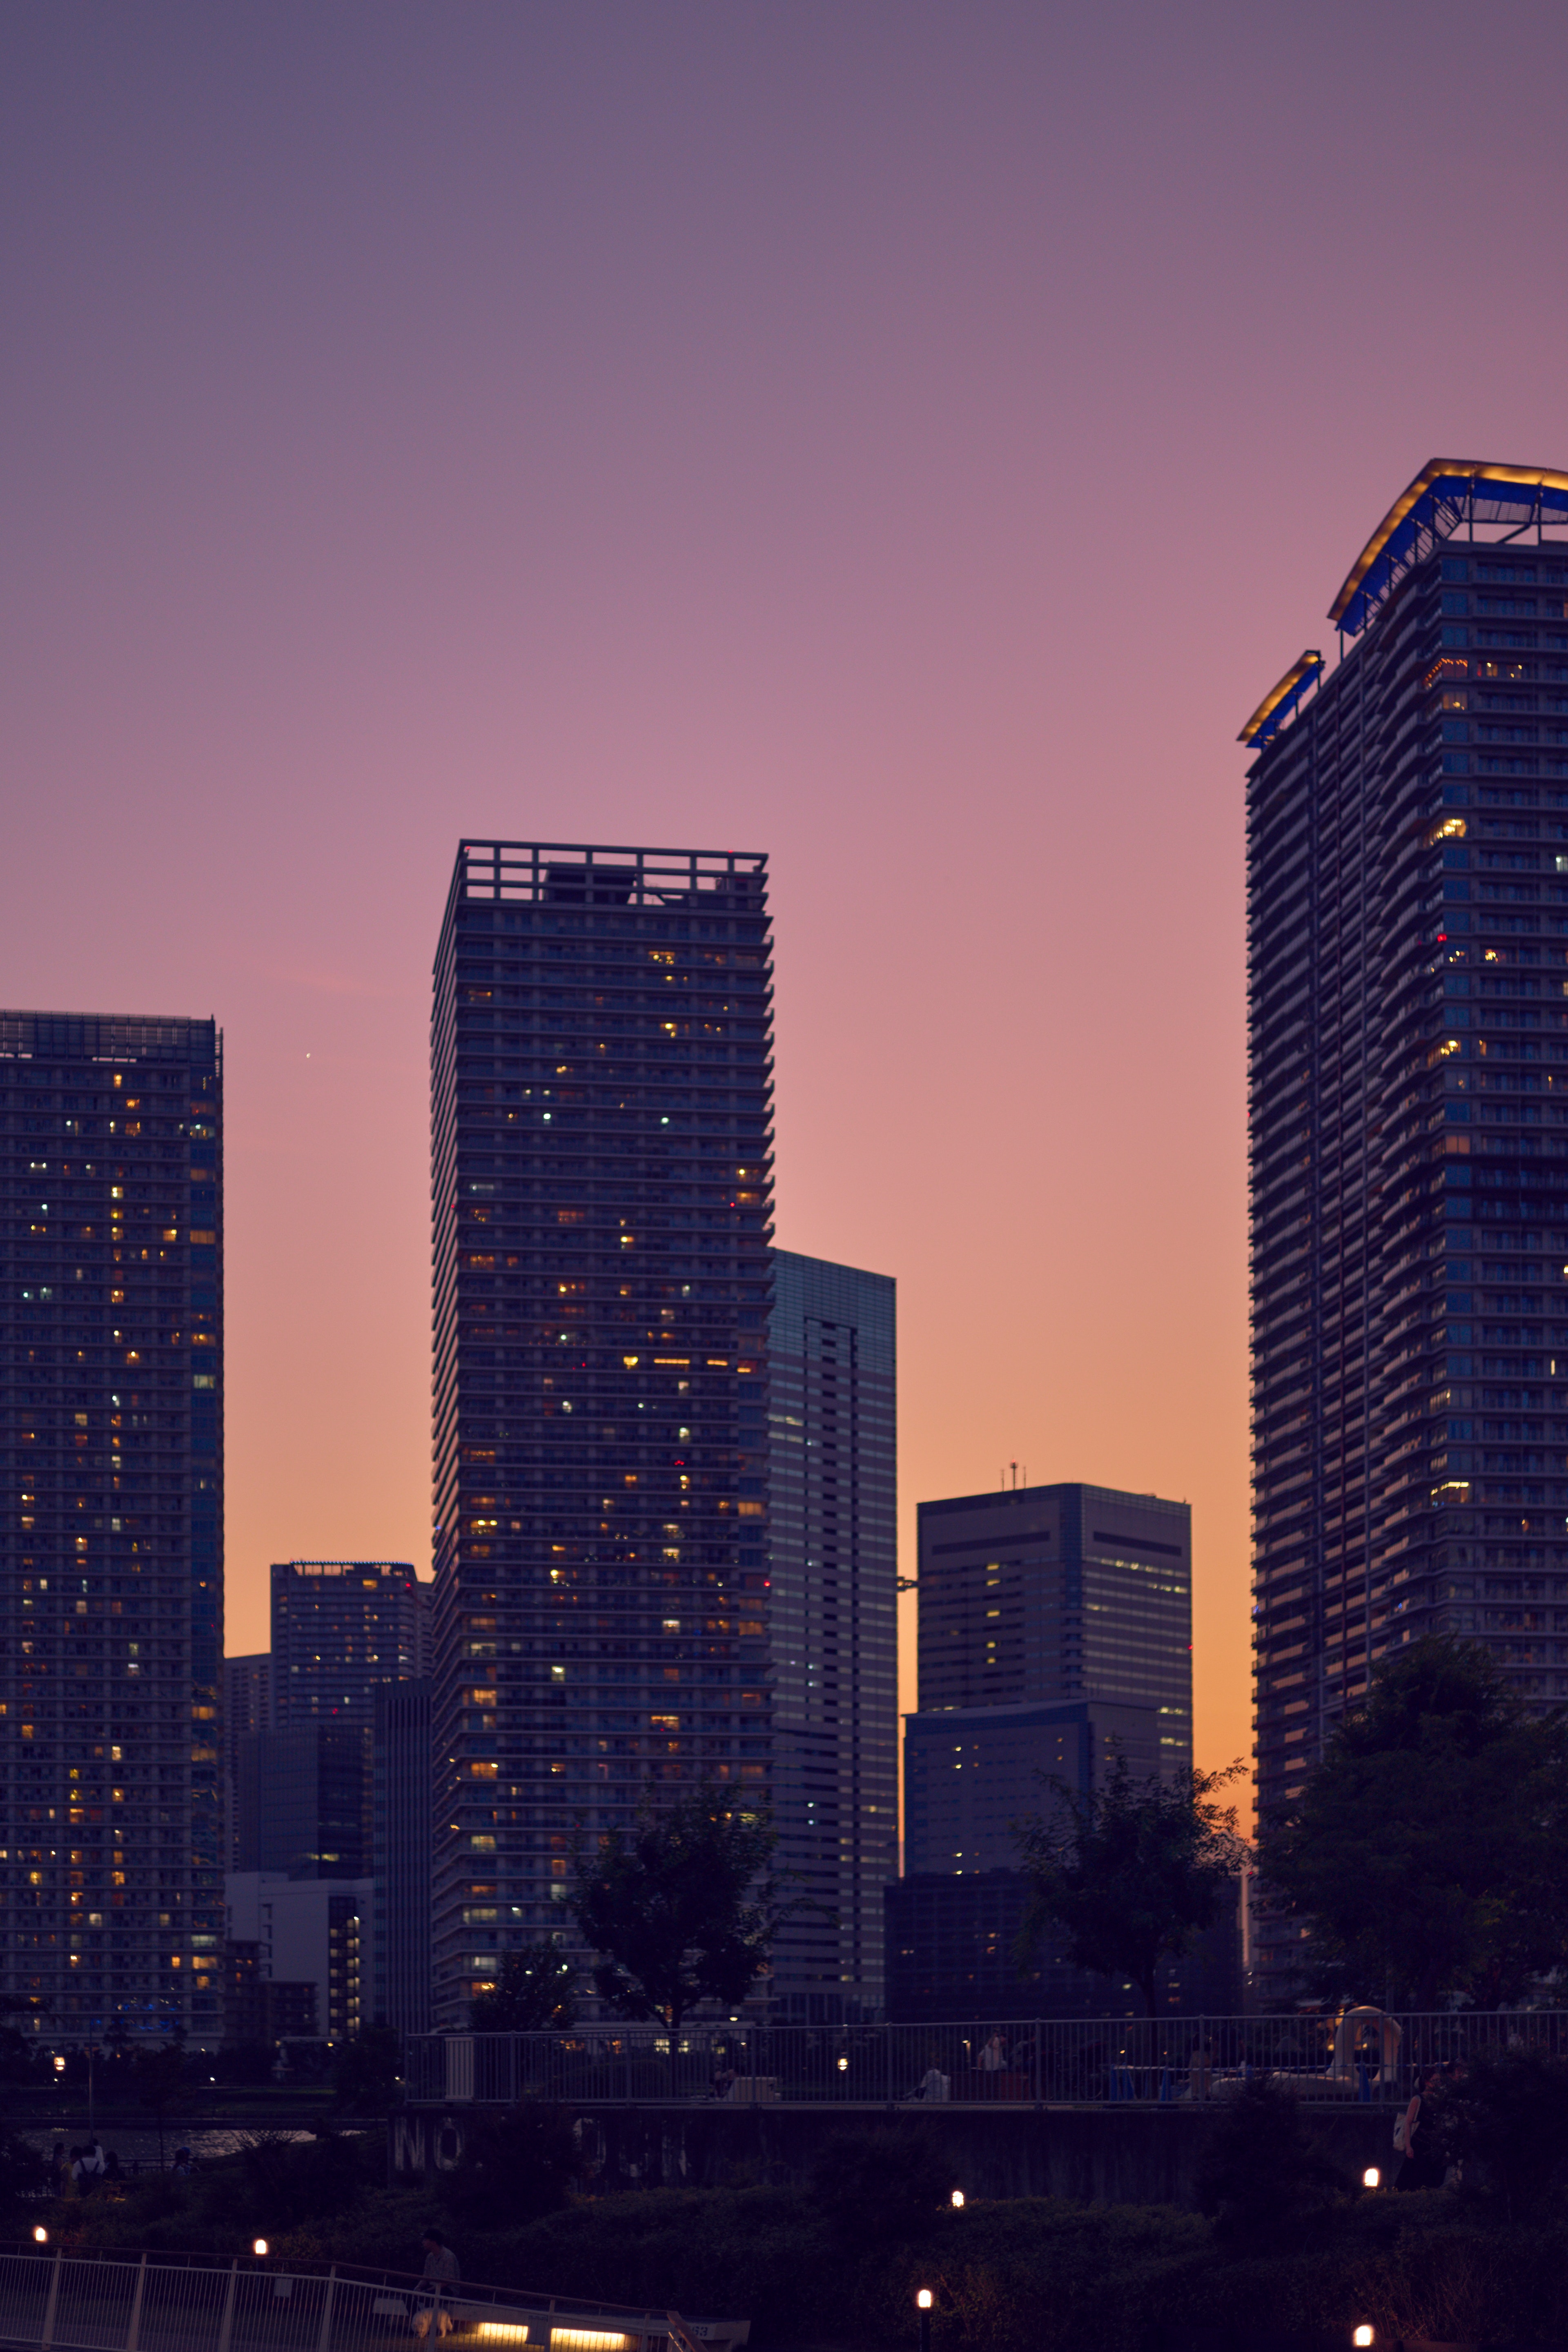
(1280,700)
(1446,495)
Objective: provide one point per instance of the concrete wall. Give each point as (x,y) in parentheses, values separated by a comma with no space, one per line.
(1114,2155)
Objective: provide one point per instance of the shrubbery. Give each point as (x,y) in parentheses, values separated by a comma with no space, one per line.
(837,2261)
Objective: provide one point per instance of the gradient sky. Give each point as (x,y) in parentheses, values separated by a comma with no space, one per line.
(907,439)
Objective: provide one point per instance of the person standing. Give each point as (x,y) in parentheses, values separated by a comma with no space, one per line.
(1424,2165)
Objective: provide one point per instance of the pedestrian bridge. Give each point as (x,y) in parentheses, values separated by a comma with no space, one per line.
(52,2301)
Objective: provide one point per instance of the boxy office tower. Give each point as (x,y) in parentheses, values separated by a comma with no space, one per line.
(111,1541)
(1407,829)
(600,1055)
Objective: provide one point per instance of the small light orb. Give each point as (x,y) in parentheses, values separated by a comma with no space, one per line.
(958,2197)
(40,2235)
(259,2247)
(1371,2177)
(1362,2336)
(922,2300)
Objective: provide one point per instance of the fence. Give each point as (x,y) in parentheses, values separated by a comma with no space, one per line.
(1359,2054)
(191,2303)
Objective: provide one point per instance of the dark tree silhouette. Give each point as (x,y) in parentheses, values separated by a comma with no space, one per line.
(1129,1872)
(535,1988)
(680,1909)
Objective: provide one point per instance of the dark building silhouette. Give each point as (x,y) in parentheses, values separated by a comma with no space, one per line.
(403,1781)
(111,1548)
(303,1801)
(833,1416)
(602,1210)
(246,1710)
(1407,843)
(1059,1593)
(340,1628)
(1055,1637)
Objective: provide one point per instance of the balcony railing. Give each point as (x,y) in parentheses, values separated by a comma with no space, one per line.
(1360,2054)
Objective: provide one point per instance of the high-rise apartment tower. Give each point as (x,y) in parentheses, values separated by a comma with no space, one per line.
(112,1541)
(339,1628)
(601,1198)
(1407,832)
(833,1414)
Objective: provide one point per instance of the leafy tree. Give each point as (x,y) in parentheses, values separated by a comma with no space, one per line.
(535,1988)
(365,2077)
(515,2166)
(1502,2117)
(1129,1872)
(679,1908)
(1262,2178)
(159,2074)
(1427,1854)
(879,2186)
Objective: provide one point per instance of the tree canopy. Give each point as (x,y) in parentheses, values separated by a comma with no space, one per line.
(1427,1854)
(681,1908)
(1129,1872)
(535,1989)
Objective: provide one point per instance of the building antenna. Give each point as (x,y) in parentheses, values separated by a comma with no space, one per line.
(1014,1467)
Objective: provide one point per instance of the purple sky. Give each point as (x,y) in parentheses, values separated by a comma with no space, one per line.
(906,439)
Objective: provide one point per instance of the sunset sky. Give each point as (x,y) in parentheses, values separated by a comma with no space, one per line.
(907,439)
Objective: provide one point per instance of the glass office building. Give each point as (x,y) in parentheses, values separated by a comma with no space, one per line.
(112,1538)
(601,1198)
(1407,842)
(834,1514)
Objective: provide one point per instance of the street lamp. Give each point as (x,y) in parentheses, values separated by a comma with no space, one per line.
(1362,2336)
(957,2199)
(259,2247)
(1371,2178)
(923,2305)
(40,2235)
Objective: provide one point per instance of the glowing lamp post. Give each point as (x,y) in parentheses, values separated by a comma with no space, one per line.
(259,2246)
(1371,2178)
(958,2201)
(1362,2336)
(923,2305)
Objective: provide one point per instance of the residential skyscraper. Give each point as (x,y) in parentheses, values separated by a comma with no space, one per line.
(832,1415)
(1408,841)
(602,1212)
(246,1710)
(339,1628)
(111,1546)
(401,1865)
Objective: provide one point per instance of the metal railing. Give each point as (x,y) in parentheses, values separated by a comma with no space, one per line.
(116,2302)
(1358,2054)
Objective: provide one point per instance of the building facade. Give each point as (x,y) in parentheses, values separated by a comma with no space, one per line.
(403,1781)
(1058,1593)
(112,1545)
(833,1417)
(601,1174)
(1054,1630)
(246,1710)
(1407,842)
(339,1627)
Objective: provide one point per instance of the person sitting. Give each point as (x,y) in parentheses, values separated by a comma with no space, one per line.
(441,2275)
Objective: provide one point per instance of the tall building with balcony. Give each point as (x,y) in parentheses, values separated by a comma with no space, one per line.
(339,1627)
(833,1413)
(601,1184)
(1407,843)
(111,1541)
